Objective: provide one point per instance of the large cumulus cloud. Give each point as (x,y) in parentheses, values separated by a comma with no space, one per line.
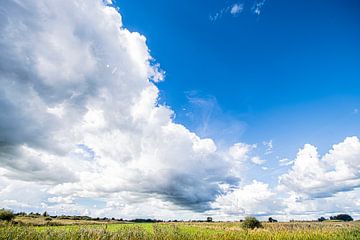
(79,111)
(312,176)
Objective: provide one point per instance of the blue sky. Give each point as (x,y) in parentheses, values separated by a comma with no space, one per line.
(257,113)
(289,74)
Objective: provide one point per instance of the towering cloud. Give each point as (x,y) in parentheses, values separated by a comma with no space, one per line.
(79,111)
(316,177)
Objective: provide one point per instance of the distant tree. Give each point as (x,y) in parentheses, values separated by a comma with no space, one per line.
(45,214)
(321,219)
(209,219)
(251,223)
(342,217)
(272,220)
(6,215)
(21,214)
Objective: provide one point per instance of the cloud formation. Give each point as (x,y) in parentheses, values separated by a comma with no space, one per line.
(82,132)
(257,8)
(80,114)
(255,198)
(232,10)
(316,177)
(236,8)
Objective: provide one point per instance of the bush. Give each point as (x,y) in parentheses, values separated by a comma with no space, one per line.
(6,215)
(342,217)
(251,223)
(272,220)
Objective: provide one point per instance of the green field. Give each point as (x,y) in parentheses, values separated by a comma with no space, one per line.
(185,230)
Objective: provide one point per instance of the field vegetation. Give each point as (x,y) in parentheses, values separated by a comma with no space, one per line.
(26,228)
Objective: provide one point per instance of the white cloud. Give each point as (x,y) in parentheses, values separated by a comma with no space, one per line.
(205,116)
(285,162)
(252,199)
(66,200)
(80,114)
(269,146)
(310,209)
(315,176)
(236,8)
(257,160)
(257,8)
(232,10)
(240,151)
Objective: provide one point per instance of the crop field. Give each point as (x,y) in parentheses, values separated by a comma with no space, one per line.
(185,230)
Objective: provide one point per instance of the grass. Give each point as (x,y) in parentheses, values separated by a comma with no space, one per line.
(184,230)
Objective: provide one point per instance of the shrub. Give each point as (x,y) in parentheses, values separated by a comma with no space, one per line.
(6,215)
(251,223)
(272,220)
(342,217)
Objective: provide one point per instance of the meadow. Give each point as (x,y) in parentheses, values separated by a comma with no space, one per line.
(182,230)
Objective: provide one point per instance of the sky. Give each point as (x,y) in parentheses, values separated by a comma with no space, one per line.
(163,109)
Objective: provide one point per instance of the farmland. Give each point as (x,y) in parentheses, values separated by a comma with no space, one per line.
(180,230)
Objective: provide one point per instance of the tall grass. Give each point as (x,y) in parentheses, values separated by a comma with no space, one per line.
(184,231)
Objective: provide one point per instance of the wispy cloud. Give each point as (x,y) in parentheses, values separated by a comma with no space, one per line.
(257,8)
(257,160)
(269,146)
(236,8)
(232,10)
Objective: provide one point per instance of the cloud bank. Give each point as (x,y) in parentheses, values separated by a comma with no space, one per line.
(80,113)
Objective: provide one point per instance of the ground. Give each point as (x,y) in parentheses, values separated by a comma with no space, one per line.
(81,229)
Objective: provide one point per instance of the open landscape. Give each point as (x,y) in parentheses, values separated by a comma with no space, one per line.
(186,120)
(41,227)
(185,230)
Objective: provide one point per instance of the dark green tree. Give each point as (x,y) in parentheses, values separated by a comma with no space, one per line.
(342,217)
(251,223)
(6,215)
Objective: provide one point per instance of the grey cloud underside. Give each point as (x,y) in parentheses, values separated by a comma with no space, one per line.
(79,113)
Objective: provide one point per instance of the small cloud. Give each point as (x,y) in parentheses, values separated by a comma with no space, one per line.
(285,162)
(257,160)
(355,111)
(219,14)
(59,199)
(269,147)
(240,151)
(258,7)
(236,8)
